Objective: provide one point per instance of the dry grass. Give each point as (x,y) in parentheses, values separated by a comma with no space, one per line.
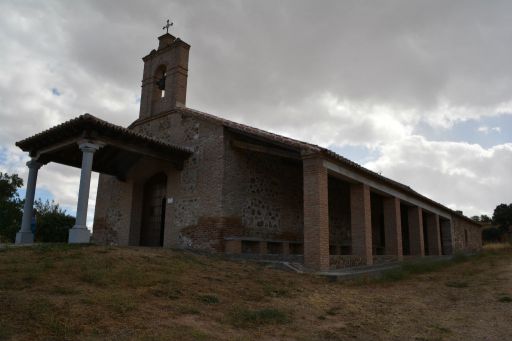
(61,292)
(497,246)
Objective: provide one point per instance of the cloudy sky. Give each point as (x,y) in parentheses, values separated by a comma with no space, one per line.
(420,91)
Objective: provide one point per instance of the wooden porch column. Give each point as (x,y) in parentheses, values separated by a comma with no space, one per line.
(361,222)
(316,213)
(393,227)
(417,245)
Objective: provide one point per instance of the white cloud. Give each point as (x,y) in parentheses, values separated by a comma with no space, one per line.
(463,176)
(335,73)
(486,130)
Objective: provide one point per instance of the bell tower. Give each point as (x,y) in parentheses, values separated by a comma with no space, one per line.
(164,82)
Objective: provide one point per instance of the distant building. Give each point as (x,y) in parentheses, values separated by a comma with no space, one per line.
(178,177)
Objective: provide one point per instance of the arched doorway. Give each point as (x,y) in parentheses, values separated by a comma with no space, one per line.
(153,211)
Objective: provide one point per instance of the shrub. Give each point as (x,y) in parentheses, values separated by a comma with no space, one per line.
(52,222)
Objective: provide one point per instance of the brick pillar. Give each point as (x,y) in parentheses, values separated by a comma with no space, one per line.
(393,227)
(316,214)
(416,243)
(361,222)
(434,235)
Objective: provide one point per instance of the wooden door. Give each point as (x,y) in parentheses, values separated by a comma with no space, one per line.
(153,212)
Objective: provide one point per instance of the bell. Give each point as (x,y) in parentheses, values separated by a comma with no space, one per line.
(161,83)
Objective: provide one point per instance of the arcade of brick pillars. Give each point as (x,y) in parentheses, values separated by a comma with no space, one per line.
(316,221)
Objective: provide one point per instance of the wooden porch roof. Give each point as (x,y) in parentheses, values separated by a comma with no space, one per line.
(121,147)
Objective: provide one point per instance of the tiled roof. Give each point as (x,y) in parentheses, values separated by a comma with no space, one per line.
(301,146)
(88,123)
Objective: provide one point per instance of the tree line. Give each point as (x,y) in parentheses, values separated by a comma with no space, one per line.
(52,222)
(499,227)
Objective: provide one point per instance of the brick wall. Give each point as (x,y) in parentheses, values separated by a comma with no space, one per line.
(196,190)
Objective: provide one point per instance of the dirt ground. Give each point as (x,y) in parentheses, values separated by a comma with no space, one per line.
(59,292)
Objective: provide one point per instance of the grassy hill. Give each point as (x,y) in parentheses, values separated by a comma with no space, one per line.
(61,292)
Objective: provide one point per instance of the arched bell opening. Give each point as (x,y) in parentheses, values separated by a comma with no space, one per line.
(160,77)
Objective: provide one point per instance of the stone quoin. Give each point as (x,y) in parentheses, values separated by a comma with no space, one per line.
(177,177)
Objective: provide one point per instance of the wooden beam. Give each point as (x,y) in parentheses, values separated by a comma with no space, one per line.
(265,150)
(175,159)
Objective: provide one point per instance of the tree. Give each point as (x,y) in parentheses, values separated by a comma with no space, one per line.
(502,216)
(484,218)
(52,222)
(10,206)
(492,234)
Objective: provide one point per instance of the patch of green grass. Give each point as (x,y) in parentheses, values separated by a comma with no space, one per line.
(186,310)
(53,247)
(421,266)
(166,292)
(59,326)
(6,331)
(209,299)
(96,271)
(505,299)
(276,292)
(457,284)
(120,304)
(93,276)
(62,290)
(176,332)
(247,318)
(333,311)
(131,276)
(459,257)
(441,329)
(329,335)
(393,275)
(424,266)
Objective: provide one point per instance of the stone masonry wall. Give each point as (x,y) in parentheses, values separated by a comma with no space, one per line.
(110,219)
(474,235)
(197,193)
(264,193)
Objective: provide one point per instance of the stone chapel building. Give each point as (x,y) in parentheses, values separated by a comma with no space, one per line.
(178,177)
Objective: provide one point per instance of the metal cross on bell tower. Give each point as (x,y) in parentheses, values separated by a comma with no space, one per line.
(166,27)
